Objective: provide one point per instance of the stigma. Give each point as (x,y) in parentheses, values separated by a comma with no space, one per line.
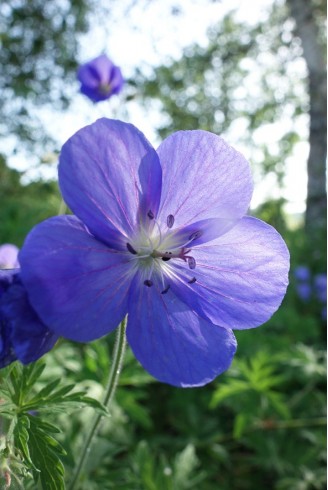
(155,249)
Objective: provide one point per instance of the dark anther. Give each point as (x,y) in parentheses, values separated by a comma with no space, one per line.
(191,281)
(148,282)
(165,290)
(170,220)
(131,249)
(150,214)
(191,262)
(166,258)
(195,235)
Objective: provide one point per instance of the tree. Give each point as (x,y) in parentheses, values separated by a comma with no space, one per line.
(38,42)
(249,78)
(305,13)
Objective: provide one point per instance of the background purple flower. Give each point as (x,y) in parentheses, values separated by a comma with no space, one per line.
(163,237)
(302,273)
(100,78)
(320,286)
(22,335)
(304,290)
(9,256)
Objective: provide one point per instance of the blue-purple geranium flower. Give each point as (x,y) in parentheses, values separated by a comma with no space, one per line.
(161,236)
(100,78)
(22,334)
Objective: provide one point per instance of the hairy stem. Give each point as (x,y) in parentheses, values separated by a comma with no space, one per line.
(117,361)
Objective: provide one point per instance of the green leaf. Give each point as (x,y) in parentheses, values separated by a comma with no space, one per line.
(241,423)
(32,373)
(45,453)
(235,387)
(185,463)
(21,437)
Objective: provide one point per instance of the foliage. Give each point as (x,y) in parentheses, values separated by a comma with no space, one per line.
(29,449)
(39,43)
(23,206)
(260,425)
(242,82)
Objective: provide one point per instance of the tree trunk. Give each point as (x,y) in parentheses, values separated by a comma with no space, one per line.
(307,30)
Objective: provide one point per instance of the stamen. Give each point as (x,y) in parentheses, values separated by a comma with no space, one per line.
(131,249)
(166,257)
(191,262)
(148,283)
(192,237)
(192,281)
(166,290)
(150,214)
(159,232)
(170,220)
(195,235)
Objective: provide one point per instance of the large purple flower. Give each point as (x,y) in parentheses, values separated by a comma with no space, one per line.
(22,334)
(100,78)
(160,236)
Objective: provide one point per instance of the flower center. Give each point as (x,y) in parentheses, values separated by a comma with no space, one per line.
(104,88)
(152,250)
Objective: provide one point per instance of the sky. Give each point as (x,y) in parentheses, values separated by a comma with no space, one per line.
(144,33)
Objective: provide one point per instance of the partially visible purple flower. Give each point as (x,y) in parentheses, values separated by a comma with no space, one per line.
(304,291)
(100,78)
(161,236)
(22,334)
(302,273)
(320,285)
(9,256)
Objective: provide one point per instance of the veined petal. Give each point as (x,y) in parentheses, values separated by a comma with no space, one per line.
(203,177)
(174,344)
(76,284)
(199,232)
(110,177)
(241,277)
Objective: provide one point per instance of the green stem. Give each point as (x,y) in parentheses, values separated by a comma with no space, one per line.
(114,374)
(62,207)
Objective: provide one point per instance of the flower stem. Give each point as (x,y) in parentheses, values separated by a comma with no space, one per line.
(117,361)
(62,208)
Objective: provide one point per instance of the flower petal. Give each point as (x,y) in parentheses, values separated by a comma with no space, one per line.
(116,80)
(174,344)
(95,71)
(110,177)
(30,338)
(199,232)
(203,177)
(76,284)
(241,277)
(23,336)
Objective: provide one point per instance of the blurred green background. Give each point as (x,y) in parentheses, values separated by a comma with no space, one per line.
(262,424)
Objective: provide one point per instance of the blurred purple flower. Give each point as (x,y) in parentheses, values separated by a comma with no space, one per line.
(8,256)
(100,79)
(302,273)
(161,236)
(304,291)
(22,335)
(320,286)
